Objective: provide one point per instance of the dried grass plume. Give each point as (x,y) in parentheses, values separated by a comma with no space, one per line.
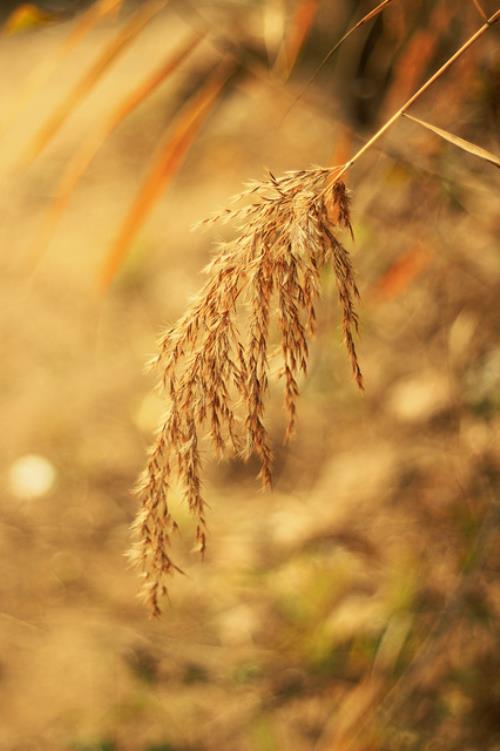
(215,360)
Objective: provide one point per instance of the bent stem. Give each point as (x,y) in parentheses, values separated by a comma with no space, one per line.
(337,175)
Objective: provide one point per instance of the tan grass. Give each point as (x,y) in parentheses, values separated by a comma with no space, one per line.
(470,148)
(214,376)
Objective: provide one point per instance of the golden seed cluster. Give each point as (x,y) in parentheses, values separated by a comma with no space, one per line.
(215,360)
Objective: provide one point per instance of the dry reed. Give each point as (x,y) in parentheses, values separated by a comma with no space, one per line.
(215,366)
(216,378)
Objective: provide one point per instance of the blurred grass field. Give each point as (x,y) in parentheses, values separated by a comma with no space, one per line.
(357,606)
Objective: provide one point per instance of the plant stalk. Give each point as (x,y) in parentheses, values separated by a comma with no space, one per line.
(337,175)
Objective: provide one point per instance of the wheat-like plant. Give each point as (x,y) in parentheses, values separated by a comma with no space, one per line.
(215,361)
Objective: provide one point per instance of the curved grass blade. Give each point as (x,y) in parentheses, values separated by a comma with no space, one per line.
(164,165)
(146,12)
(371,14)
(471,148)
(80,161)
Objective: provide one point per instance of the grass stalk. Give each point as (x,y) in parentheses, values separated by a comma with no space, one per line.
(337,175)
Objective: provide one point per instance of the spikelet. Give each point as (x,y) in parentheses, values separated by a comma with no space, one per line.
(214,361)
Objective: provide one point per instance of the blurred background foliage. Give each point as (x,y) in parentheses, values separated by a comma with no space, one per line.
(357,607)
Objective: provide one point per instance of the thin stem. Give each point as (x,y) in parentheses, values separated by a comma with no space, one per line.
(371,14)
(336,175)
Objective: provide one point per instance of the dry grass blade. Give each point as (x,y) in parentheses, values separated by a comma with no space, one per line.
(88,149)
(300,27)
(43,72)
(215,379)
(214,376)
(164,165)
(402,110)
(471,148)
(368,17)
(89,19)
(134,26)
(341,731)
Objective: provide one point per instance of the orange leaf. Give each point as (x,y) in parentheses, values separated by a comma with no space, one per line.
(164,165)
(89,18)
(409,70)
(343,145)
(301,25)
(402,272)
(88,149)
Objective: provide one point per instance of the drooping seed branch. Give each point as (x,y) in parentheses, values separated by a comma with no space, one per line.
(216,372)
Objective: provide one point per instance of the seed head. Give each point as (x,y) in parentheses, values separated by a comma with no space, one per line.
(214,362)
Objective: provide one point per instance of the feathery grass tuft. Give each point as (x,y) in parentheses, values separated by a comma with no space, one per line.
(215,366)
(216,377)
